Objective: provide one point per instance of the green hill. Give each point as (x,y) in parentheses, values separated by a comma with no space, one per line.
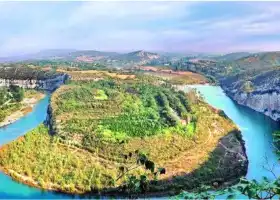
(128,136)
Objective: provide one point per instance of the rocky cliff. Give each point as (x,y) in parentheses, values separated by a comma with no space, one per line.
(259,91)
(48,84)
(31,78)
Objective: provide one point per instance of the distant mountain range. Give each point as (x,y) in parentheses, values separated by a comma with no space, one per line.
(89,56)
(258,61)
(45,54)
(239,61)
(232,56)
(92,56)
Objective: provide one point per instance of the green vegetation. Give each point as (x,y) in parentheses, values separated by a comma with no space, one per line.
(6,110)
(68,168)
(178,77)
(54,162)
(25,73)
(130,110)
(68,65)
(103,123)
(16,102)
(17,93)
(230,65)
(121,134)
(10,99)
(121,110)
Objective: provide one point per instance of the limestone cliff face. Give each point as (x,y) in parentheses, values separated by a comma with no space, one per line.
(258,92)
(47,84)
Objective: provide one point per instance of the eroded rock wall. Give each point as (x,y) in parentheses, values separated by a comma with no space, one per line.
(47,84)
(260,93)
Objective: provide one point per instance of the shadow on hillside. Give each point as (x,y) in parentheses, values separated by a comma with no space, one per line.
(227,163)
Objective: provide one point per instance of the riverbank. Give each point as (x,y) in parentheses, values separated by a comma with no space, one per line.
(29,181)
(25,107)
(263,102)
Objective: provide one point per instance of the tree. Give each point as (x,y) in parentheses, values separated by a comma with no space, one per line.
(3,94)
(135,184)
(17,93)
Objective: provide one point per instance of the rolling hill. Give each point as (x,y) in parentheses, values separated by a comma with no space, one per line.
(258,61)
(137,57)
(232,56)
(88,56)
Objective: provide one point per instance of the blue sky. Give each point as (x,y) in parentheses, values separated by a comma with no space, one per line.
(27,27)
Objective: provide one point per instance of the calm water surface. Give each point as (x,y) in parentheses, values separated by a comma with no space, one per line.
(256,130)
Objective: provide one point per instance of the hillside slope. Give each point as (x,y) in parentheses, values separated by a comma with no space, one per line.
(262,60)
(89,56)
(252,81)
(232,56)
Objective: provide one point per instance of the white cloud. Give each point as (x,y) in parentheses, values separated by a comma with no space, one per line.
(132,25)
(125,10)
(264,19)
(96,25)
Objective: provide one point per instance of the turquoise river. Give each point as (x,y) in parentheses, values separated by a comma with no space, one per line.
(256,130)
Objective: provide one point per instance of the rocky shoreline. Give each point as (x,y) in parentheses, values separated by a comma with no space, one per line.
(260,102)
(260,92)
(48,84)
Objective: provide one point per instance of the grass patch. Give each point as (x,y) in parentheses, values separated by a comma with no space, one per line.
(67,168)
(128,109)
(100,95)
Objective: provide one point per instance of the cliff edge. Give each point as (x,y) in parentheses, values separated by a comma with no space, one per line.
(259,91)
(31,78)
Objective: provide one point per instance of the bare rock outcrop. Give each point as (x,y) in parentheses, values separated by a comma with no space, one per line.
(259,92)
(31,78)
